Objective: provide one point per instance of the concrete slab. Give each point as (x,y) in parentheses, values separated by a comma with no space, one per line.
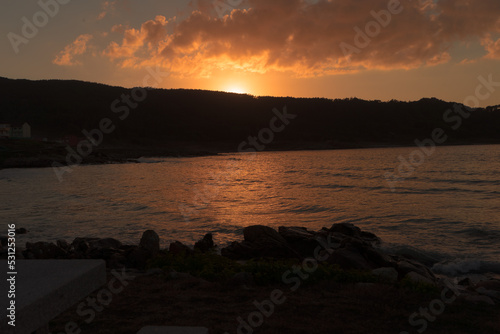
(173,330)
(46,288)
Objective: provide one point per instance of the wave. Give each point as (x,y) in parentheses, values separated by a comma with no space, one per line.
(477,232)
(466,266)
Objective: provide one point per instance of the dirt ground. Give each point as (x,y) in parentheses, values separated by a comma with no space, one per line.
(325,307)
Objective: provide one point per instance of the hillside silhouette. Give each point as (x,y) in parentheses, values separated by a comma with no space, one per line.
(56,108)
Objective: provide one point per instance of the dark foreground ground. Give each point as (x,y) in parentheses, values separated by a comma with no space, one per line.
(323,307)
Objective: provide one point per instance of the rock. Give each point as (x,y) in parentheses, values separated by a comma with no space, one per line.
(150,241)
(106,243)
(205,244)
(260,241)
(294,234)
(44,250)
(370,237)
(349,259)
(346,229)
(386,274)
(490,285)
(178,248)
(300,239)
(63,244)
(257,233)
(490,293)
(406,266)
(465,282)
(417,278)
(81,245)
(21,230)
(475,299)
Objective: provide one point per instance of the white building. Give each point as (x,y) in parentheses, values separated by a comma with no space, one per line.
(15,130)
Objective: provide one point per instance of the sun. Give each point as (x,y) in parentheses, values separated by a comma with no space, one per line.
(235,89)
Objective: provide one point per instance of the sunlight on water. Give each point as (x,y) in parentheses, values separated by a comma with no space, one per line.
(449,204)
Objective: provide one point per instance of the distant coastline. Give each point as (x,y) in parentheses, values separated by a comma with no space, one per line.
(26,153)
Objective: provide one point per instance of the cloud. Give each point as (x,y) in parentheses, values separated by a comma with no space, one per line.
(309,38)
(492,46)
(107,7)
(78,47)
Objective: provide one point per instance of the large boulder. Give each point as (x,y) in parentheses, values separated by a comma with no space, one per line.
(347,229)
(150,241)
(300,239)
(259,233)
(260,241)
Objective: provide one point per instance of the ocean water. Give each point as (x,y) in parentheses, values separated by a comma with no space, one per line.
(445,211)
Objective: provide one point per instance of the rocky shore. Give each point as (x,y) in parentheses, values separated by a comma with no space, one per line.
(343,246)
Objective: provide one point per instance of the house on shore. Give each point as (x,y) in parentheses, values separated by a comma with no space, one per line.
(15,130)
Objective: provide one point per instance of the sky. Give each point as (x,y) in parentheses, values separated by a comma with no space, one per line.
(370,49)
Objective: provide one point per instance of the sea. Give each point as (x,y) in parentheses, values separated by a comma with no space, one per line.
(440,205)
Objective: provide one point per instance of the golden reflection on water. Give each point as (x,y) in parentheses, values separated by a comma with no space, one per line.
(456,189)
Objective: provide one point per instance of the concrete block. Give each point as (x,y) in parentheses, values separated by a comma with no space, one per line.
(46,288)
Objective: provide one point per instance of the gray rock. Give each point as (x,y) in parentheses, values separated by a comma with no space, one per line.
(150,241)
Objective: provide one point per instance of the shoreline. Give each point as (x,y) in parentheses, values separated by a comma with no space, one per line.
(343,247)
(193,286)
(55,153)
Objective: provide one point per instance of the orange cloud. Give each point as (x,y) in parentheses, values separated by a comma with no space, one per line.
(309,38)
(106,7)
(492,46)
(78,47)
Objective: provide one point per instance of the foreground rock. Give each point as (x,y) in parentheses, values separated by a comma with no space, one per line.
(260,241)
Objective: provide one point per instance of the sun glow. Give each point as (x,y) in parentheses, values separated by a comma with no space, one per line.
(235,89)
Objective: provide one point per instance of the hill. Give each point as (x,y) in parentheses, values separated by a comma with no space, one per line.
(218,121)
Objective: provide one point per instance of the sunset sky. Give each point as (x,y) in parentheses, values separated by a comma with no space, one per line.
(371,49)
